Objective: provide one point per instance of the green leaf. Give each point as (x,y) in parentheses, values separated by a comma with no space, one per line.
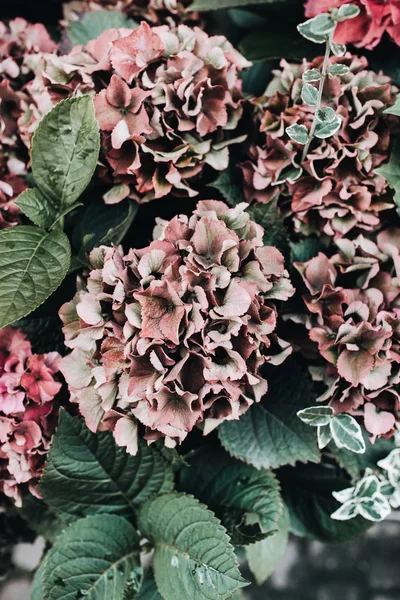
(37,208)
(298,133)
(88,474)
(322,24)
(230,184)
(205,5)
(37,583)
(324,436)
(270,434)
(338,70)
(267,43)
(95,558)
(44,333)
(316,415)
(193,557)
(311,75)
(307,492)
(309,95)
(307,31)
(346,433)
(263,556)
(65,149)
(325,130)
(148,589)
(348,11)
(356,464)
(305,249)
(391,172)
(338,49)
(104,224)
(33,263)
(325,114)
(247,501)
(92,24)
(395,109)
(40,518)
(275,234)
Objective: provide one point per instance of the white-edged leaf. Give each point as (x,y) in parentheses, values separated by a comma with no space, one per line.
(95,558)
(376,508)
(316,415)
(322,24)
(311,75)
(298,133)
(193,557)
(338,49)
(33,263)
(263,556)
(347,11)
(346,511)
(347,433)
(324,436)
(309,94)
(338,70)
(306,31)
(65,149)
(88,474)
(326,130)
(325,114)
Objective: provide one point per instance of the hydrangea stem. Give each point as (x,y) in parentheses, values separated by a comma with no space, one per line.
(324,72)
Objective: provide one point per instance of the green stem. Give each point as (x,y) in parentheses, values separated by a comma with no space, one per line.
(320,92)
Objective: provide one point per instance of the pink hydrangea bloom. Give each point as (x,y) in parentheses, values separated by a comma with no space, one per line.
(168,103)
(366,30)
(173,335)
(338,191)
(354,318)
(29,385)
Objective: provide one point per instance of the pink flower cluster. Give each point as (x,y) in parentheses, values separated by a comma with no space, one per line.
(366,30)
(168,104)
(354,318)
(173,335)
(28,412)
(338,191)
(20,46)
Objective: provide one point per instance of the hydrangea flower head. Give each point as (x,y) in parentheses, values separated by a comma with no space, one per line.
(168,103)
(357,329)
(338,191)
(29,385)
(173,335)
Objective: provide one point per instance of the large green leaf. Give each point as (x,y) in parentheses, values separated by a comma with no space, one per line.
(96,558)
(88,473)
(271,434)
(355,464)
(213,5)
(92,24)
(275,233)
(230,184)
(33,263)
(193,557)
(272,43)
(247,501)
(104,224)
(65,149)
(391,172)
(37,583)
(41,211)
(148,589)
(307,491)
(263,556)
